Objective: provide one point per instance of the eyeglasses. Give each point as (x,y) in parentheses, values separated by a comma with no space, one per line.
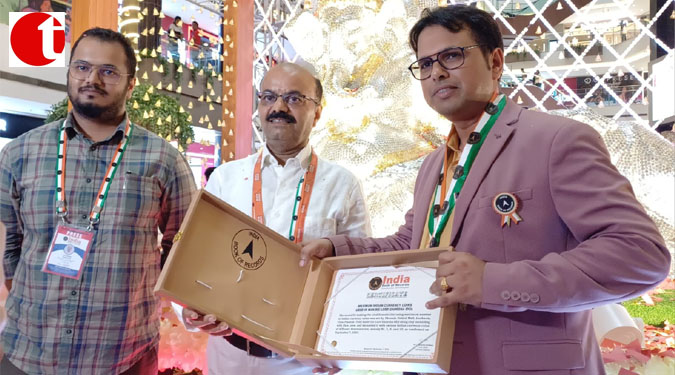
(108,74)
(292,99)
(449,59)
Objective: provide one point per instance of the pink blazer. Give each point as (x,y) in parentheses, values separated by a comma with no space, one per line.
(584,241)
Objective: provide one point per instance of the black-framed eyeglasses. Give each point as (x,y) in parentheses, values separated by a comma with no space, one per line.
(450,58)
(292,99)
(107,73)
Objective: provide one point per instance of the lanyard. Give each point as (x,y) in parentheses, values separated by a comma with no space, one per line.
(438,215)
(302,195)
(95,214)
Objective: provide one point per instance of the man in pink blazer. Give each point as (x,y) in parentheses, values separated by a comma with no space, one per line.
(543,229)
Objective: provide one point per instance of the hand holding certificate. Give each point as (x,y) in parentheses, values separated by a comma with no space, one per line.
(462,274)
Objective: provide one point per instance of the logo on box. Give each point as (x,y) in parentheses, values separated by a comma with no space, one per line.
(249,249)
(37,39)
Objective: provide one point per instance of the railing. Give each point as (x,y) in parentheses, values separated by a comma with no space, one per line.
(602,98)
(617,37)
(199,56)
(599,98)
(580,48)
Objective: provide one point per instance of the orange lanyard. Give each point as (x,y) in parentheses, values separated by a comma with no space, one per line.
(301,203)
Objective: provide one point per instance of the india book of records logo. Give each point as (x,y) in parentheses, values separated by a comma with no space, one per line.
(37,39)
(249,249)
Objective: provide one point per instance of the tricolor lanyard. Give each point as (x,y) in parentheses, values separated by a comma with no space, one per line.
(302,195)
(438,215)
(95,215)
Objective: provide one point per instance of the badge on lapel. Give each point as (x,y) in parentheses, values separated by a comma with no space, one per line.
(506,205)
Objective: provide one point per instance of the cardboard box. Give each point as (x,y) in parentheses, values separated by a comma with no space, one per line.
(225,263)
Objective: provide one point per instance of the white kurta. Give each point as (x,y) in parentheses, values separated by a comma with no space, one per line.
(337,206)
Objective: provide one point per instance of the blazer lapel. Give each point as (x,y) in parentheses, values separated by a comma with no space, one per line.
(496,139)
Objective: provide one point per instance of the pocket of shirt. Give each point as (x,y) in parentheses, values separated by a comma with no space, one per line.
(317,227)
(137,199)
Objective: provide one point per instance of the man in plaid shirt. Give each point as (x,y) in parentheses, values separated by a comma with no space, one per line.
(113,185)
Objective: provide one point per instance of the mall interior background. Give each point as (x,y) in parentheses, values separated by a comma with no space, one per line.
(610,55)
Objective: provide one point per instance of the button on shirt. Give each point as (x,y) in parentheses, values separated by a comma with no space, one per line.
(336,206)
(107,320)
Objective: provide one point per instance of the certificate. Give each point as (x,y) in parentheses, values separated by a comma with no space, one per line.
(379,312)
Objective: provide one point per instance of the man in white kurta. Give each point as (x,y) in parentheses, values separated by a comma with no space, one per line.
(289,107)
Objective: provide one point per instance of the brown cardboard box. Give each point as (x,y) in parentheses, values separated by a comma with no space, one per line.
(225,263)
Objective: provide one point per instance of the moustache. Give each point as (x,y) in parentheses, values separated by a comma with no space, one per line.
(94,88)
(281,115)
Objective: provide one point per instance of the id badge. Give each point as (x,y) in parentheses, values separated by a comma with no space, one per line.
(68,251)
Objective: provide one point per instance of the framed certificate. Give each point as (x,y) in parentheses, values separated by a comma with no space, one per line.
(379,312)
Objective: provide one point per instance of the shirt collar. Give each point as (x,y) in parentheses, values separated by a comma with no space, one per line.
(303,157)
(453,140)
(72,130)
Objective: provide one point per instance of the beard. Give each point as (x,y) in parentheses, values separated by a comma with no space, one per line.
(94,111)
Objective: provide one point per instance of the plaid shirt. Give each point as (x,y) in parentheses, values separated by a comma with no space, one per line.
(107,320)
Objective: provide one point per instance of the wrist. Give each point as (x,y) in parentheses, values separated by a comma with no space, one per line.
(330,247)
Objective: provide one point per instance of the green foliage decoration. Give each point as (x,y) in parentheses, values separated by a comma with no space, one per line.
(164,119)
(165,65)
(177,75)
(57,111)
(656,315)
(193,74)
(208,74)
